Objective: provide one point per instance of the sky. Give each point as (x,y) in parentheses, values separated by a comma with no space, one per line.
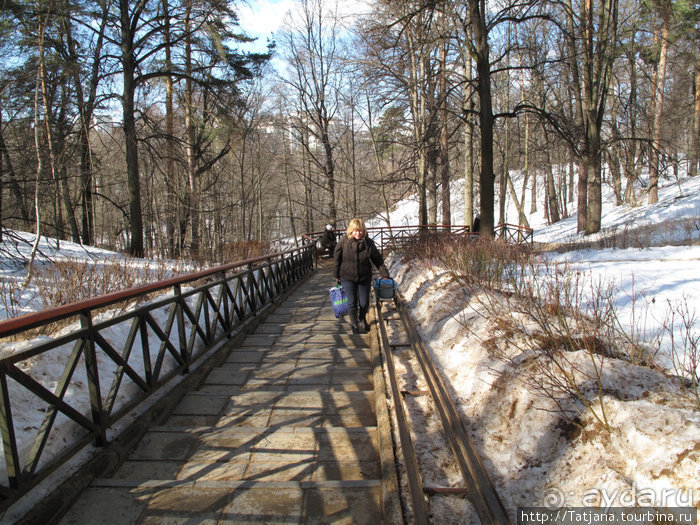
(265,18)
(530,456)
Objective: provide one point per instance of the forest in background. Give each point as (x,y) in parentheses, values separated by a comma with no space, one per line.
(146,127)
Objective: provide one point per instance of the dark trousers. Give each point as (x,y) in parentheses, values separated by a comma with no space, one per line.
(358,295)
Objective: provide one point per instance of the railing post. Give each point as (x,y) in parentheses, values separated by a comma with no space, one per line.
(9,440)
(181,332)
(228,321)
(311,264)
(279,274)
(145,349)
(93,378)
(251,290)
(269,279)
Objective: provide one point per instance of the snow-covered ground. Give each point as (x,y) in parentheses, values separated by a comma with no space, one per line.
(661,269)
(651,455)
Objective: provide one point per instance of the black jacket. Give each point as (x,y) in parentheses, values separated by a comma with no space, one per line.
(353,260)
(328,239)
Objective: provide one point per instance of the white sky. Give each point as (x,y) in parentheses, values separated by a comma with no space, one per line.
(263,18)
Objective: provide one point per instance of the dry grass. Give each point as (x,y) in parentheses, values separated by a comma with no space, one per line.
(549,312)
(242,250)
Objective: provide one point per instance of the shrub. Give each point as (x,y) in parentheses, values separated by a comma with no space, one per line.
(569,328)
(242,250)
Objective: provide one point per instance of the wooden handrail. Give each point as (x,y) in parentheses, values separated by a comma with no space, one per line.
(21,323)
(510,232)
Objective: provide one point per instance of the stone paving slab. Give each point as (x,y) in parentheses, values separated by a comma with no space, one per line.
(284,431)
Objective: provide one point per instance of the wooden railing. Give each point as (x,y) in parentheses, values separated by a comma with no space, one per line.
(106,376)
(396,237)
(514,234)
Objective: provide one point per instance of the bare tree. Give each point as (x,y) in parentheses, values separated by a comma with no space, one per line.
(480,52)
(663,8)
(591,37)
(313,54)
(695,149)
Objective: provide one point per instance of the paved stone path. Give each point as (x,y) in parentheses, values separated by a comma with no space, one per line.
(285,431)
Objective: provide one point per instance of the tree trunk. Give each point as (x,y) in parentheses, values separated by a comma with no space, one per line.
(86,186)
(417,104)
(37,182)
(570,173)
(486,180)
(632,152)
(581,196)
(68,203)
(469,165)
(353,158)
(526,154)
(592,160)
(86,106)
(533,191)
(664,10)
(505,177)
(505,172)
(597,57)
(431,179)
(192,182)
(577,98)
(615,174)
(9,178)
(129,122)
(519,205)
(170,195)
(695,142)
(444,144)
(552,205)
(329,168)
(58,210)
(290,200)
(563,189)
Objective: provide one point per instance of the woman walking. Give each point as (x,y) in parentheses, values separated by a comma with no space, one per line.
(353,259)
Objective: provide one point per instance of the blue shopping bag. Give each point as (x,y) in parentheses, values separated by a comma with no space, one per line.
(385,289)
(339,300)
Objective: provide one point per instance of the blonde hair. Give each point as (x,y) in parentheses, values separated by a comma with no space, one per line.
(355,225)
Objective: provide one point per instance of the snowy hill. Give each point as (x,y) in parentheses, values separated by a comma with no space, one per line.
(651,452)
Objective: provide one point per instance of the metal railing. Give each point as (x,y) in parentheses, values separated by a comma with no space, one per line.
(514,234)
(397,237)
(105,376)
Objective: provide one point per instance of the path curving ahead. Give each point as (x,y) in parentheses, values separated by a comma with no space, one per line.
(291,428)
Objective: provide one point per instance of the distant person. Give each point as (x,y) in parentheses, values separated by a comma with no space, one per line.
(328,241)
(476,224)
(353,259)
